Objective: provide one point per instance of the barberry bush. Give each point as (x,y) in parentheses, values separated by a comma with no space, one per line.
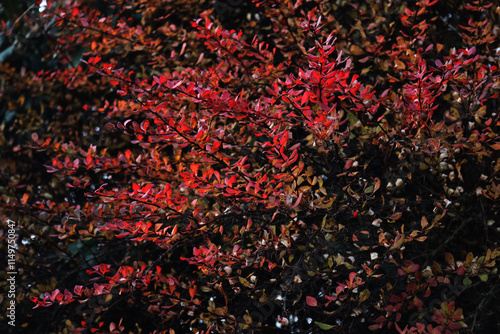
(248,167)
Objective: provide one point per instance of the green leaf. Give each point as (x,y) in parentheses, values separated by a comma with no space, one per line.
(483,277)
(74,248)
(76,57)
(467,281)
(244,282)
(6,53)
(323,326)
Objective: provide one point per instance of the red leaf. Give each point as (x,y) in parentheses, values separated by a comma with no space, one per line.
(145,125)
(109,126)
(78,290)
(192,291)
(94,60)
(215,146)
(352,275)
(311,301)
(348,164)
(305,98)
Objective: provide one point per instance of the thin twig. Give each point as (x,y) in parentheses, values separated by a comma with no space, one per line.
(20,17)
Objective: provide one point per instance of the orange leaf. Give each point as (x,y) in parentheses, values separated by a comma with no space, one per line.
(356,50)
(377,184)
(424,222)
(496,146)
(192,291)
(25,198)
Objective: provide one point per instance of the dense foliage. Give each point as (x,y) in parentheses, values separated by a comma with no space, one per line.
(248,167)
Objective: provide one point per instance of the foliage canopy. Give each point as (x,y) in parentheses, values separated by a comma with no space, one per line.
(286,166)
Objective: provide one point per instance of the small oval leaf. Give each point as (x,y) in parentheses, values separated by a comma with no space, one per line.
(311,301)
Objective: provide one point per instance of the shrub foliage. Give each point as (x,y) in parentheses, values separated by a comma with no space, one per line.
(233,167)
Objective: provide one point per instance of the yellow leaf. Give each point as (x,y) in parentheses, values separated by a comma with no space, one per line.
(398,242)
(364,295)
